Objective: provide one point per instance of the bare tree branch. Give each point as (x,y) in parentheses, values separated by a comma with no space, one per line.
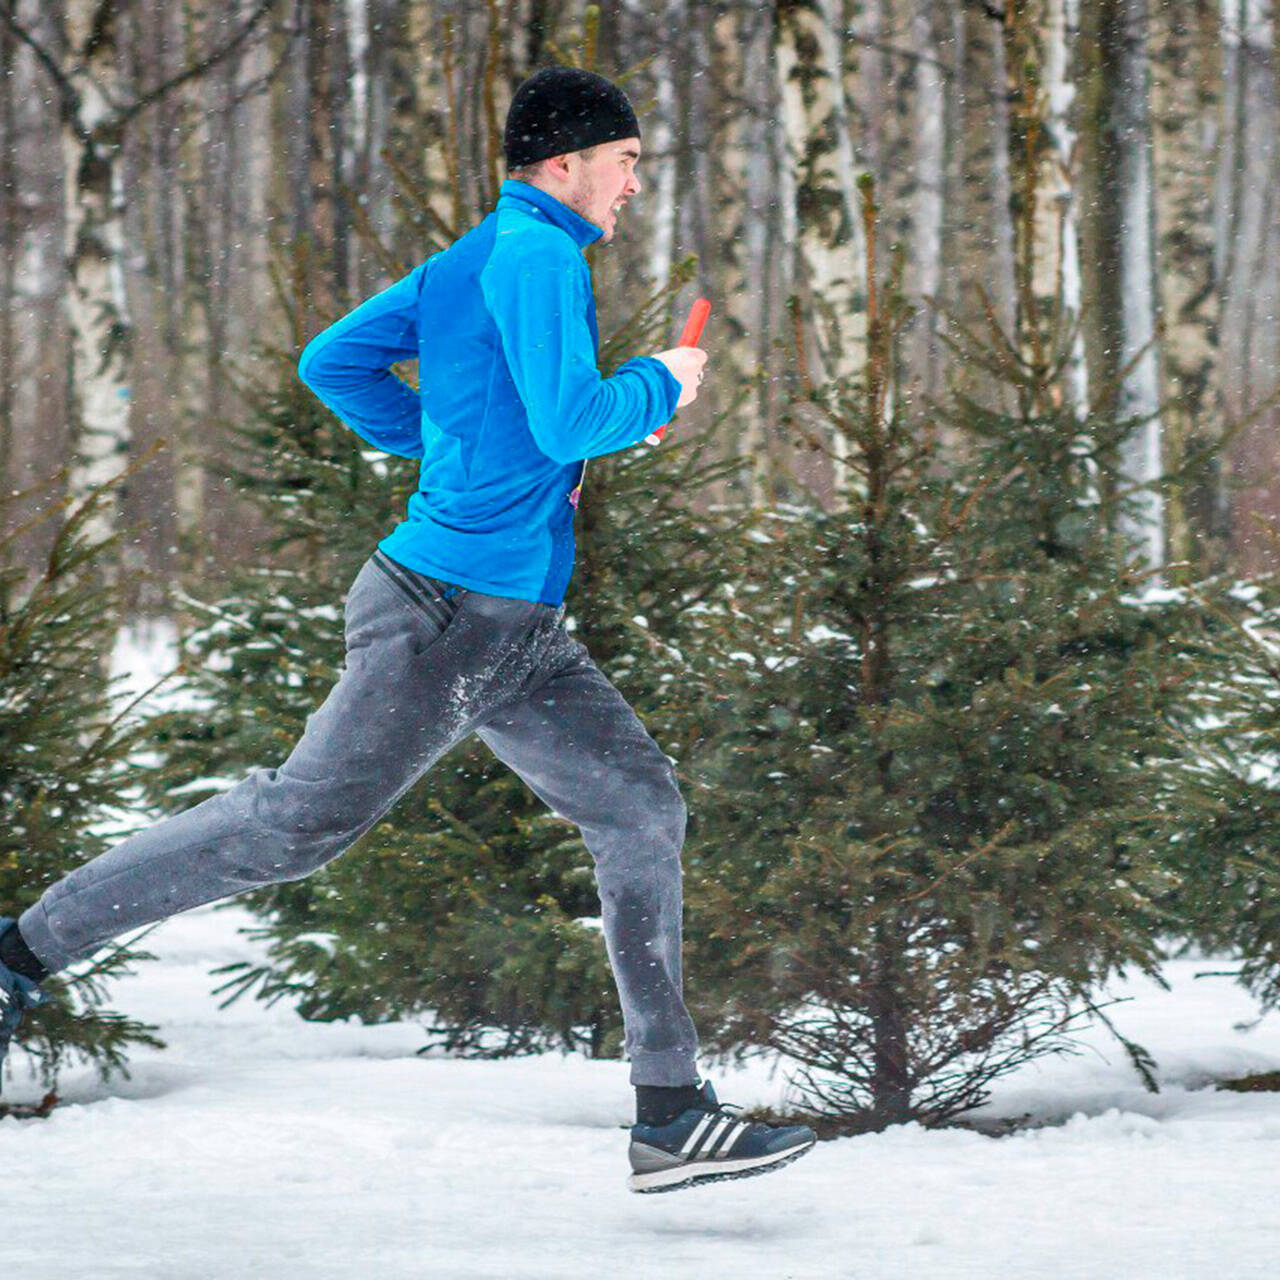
(248,90)
(198,68)
(9,15)
(71,98)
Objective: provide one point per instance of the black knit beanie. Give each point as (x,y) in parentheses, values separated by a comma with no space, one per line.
(562,109)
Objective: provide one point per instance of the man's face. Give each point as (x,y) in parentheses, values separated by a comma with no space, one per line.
(599,186)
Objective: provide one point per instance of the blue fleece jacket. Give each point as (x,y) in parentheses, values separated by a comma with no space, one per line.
(509,401)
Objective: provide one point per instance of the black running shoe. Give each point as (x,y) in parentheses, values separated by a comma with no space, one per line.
(710,1143)
(17,995)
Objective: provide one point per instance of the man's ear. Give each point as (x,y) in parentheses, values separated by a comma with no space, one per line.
(559,165)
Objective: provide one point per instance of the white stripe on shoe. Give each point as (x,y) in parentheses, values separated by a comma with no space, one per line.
(708,1137)
(723,1141)
(698,1130)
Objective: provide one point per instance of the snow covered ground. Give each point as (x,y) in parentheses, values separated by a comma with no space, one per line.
(261,1145)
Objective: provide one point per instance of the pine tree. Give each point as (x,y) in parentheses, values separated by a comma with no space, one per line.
(1226,795)
(67,768)
(935,741)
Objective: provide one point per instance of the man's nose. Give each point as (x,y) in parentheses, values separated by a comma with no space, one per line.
(633,186)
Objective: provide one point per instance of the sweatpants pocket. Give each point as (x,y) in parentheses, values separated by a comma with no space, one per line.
(425,595)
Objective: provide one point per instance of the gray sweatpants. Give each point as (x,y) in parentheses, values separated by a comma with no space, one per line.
(426,667)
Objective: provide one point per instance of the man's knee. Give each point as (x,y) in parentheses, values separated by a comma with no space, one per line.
(671,805)
(652,805)
(301,826)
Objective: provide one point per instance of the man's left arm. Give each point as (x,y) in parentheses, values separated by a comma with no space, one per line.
(348,366)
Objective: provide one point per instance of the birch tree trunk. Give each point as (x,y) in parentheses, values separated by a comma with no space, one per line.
(292,111)
(929,134)
(146,503)
(380,196)
(97,307)
(330,141)
(780,253)
(368,54)
(1120,240)
(192,297)
(746,285)
(701,160)
(830,239)
(1142,463)
(1185,110)
(1248,260)
(1057,230)
(980,239)
(660,196)
(738,272)
(356,161)
(9,194)
(419,127)
(36,383)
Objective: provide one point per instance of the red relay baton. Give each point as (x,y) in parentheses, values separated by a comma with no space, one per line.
(692,334)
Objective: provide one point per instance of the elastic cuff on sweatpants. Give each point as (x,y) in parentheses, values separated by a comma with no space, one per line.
(671,1068)
(33,924)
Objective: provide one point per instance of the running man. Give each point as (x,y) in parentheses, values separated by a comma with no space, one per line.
(455,624)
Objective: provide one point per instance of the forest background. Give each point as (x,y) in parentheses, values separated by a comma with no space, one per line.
(139,216)
(994,346)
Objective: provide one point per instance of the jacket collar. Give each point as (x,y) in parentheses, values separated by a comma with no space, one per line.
(513,192)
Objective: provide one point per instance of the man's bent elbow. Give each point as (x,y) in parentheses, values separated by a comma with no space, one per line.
(310,368)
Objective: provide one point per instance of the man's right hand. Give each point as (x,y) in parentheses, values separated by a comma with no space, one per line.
(685,364)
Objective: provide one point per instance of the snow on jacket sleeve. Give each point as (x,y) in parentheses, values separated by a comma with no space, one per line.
(538,299)
(348,366)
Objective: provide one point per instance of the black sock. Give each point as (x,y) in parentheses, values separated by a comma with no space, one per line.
(16,955)
(658,1105)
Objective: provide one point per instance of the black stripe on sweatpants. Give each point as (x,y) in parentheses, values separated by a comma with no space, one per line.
(433,605)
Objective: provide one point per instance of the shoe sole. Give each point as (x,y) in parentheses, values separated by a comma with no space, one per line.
(697,1173)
